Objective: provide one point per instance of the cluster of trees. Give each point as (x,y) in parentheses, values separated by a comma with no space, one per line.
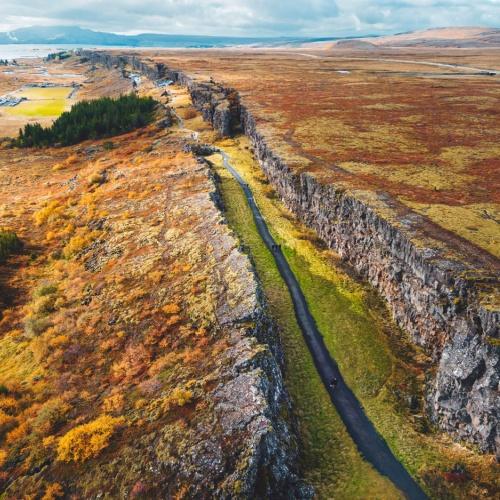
(95,119)
(58,56)
(9,243)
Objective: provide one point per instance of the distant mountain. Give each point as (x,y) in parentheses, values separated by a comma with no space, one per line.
(455,37)
(444,37)
(75,35)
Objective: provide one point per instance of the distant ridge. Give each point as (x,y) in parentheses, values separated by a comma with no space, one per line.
(460,37)
(457,37)
(75,35)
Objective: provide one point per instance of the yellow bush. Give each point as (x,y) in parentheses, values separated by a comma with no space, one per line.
(52,210)
(178,397)
(140,403)
(87,440)
(49,441)
(156,276)
(3,457)
(78,243)
(51,235)
(96,178)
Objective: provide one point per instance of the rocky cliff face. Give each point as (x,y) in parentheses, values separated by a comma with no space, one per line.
(428,296)
(431,296)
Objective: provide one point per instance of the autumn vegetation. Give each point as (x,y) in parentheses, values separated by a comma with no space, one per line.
(109,339)
(111,344)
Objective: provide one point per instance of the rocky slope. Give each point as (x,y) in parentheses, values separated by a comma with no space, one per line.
(138,325)
(432,294)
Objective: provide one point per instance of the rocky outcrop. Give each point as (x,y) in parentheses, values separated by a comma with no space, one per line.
(252,404)
(245,445)
(429,295)
(435,298)
(218,104)
(152,71)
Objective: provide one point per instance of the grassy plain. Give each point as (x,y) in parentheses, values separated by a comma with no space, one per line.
(46,104)
(41,102)
(382,122)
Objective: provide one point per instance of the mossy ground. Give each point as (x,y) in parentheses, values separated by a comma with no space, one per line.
(330,460)
(378,362)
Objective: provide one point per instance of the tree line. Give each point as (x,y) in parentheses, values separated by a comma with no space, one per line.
(99,118)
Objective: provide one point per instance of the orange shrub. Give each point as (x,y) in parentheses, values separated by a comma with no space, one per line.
(18,433)
(7,403)
(173,320)
(113,403)
(59,340)
(71,159)
(133,362)
(6,421)
(193,356)
(53,491)
(87,440)
(171,309)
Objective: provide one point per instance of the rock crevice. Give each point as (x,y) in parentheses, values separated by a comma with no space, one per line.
(434,298)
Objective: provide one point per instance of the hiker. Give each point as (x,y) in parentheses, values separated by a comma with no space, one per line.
(333,383)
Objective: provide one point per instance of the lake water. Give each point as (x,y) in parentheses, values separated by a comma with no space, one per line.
(14,51)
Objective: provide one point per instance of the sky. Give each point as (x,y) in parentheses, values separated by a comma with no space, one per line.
(251,17)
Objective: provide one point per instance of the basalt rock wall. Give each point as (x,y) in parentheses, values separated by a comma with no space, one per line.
(430,296)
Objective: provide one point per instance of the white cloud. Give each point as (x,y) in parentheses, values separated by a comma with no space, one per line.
(250,17)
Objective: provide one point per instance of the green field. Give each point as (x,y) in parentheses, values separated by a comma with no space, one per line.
(42,102)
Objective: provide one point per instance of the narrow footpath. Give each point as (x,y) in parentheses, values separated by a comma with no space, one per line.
(372,446)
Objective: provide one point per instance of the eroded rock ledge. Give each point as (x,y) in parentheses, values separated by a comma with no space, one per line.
(432,296)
